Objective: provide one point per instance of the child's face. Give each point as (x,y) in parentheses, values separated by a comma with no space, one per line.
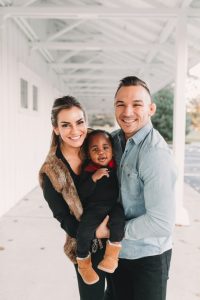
(100,149)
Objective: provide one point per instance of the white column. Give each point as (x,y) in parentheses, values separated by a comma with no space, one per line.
(3,112)
(179,114)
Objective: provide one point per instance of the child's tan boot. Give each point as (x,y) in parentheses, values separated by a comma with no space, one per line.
(86,270)
(110,260)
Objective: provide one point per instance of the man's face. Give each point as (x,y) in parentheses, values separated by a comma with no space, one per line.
(133,109)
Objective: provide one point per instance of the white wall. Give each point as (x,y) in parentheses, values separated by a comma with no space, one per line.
(24,134)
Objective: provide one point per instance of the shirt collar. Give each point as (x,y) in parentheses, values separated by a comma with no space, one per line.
(139,135)
(142,133)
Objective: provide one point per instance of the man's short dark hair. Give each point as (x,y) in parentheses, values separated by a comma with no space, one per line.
(133,80)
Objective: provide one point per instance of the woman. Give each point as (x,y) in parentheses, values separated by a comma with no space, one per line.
(59,179)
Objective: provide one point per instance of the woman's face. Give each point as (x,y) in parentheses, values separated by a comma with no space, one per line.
(71,126)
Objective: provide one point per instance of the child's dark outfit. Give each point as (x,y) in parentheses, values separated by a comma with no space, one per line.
(99,199)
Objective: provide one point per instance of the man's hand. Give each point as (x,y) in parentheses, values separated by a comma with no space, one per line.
(102,230)
(100,173)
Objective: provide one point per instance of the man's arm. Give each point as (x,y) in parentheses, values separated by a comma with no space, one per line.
(158,173)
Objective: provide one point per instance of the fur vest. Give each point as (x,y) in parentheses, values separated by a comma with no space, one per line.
(62,182)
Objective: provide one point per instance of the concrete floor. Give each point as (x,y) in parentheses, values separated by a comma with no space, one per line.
(34,267)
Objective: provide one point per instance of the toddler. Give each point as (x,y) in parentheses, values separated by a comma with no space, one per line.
(98,191)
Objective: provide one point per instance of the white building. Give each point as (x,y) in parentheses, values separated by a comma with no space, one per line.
(83,48)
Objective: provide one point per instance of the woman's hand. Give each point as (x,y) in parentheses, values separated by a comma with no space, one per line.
(102,230)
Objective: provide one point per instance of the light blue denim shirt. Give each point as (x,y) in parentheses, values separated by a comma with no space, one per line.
(147,176)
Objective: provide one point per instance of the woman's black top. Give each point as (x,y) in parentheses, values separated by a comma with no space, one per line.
(56,202)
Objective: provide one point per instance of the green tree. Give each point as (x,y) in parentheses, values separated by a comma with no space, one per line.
(194,112)
(163,118)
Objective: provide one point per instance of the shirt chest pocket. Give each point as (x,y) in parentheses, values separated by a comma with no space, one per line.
(131,181)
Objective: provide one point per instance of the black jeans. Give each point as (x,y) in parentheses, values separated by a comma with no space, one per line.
(140,279)
(95,291)
(92,216)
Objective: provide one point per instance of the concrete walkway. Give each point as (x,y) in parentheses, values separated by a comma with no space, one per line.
(34,267)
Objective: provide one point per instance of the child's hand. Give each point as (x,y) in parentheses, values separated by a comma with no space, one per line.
(100,173)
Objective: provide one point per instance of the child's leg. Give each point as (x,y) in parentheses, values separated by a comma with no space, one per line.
(90,220)
(86,231)
(113,247)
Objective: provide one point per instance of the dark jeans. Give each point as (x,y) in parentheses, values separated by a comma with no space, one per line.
(95,291)
(140,279)
(92,216)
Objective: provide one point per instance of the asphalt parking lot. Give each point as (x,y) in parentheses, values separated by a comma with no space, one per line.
(192,166)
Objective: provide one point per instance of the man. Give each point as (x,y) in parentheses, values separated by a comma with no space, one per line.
(147,178)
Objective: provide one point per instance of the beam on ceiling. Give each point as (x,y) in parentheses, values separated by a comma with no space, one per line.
(6,2)
(72,71)
(116,39)
(93,91)
(132,30)
(65,30)
(94,12)
(112,77)
(155,3)
(90,84)
(166,32)
(99,66)
(116,30)
(67,56)
(95,46)
(30,2)
(30,33)
(186,3)
(86,87)
(97,93)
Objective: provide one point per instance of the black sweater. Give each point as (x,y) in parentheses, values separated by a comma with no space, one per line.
(102,192)
(56,202)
